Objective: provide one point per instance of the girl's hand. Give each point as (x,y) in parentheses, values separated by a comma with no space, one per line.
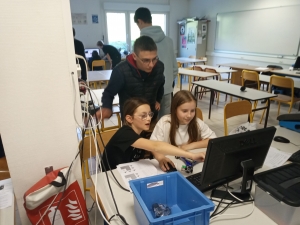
(163,163)
(200,156)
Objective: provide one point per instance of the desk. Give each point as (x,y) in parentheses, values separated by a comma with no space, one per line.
(237,78)
(293,73)
(125,204)
(194,73)
(266,78)
(184,60)
(234,90)
(218,69)
(98,94)
(99,75)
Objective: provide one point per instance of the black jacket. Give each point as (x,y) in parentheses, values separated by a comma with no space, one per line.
(127,81)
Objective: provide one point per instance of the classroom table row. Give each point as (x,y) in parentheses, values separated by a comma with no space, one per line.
(124,200)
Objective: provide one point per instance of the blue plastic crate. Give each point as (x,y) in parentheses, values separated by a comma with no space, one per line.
(188,205)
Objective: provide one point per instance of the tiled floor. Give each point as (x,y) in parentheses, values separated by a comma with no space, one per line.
(215,123)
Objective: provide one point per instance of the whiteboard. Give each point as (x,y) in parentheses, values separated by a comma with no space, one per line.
(270,31)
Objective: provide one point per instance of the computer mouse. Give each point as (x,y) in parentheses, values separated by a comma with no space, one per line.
(281,139)
(171,168)
(243,88)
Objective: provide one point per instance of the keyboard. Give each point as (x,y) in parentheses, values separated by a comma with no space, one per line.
(295,157)
(195,179)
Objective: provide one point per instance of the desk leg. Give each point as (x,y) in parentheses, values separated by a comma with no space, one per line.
(211,102)
(267,113)
(180,82)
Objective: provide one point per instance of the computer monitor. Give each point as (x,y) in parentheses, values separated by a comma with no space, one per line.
(231,157)
(297,64)
(88,52)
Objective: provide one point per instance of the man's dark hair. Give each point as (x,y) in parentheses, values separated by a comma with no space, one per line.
(144,43)
(143,14)
(100,43)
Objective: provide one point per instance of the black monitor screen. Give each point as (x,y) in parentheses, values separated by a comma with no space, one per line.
(297,64)
(224,155)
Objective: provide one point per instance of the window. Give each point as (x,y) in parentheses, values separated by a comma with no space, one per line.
(122,34)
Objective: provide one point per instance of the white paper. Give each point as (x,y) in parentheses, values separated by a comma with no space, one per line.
(136,170)
(276,158)
(199,40)
(6,193)
(262,68)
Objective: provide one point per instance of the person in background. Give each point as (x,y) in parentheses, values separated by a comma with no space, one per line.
(128,144)
(79,50)
(165,51)
(140,75)
(95,56)
(111,53)
(182,128)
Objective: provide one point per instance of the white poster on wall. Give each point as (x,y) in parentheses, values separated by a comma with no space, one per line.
(79,18)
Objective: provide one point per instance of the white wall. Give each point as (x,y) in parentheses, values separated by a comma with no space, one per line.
(90,33)
(37,59)
(212,7)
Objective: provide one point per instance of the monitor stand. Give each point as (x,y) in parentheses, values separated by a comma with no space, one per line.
(246,185)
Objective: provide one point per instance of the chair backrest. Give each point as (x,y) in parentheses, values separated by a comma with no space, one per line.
(97,63)
(88,143)
(198,68)
(179,64)
(211,70)
(199,113)
(248,75)
(284,82)
(235,109)
(192,57)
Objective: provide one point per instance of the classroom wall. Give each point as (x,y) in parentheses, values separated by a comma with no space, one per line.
(36,91)
(212,7)
(90,33)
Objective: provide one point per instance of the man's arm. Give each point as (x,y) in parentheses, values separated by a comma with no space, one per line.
(114,86)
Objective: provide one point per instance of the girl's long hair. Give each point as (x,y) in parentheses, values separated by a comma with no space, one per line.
(131,105)
(180,98)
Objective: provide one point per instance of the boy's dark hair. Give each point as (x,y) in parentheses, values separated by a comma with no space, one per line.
(144,43)
(95,54)
(143,14)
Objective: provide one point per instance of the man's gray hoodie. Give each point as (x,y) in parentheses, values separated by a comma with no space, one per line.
(165,53)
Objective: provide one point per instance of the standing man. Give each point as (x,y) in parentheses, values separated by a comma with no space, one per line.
(111,53)
(79,50)
(140,75)
(165,51)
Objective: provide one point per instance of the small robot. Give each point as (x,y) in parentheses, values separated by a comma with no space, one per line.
(188,164)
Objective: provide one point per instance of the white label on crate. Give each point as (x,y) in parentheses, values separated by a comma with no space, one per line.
(155,184)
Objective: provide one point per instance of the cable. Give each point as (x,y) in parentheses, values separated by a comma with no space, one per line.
(243,216)
(240,200)
(93,131)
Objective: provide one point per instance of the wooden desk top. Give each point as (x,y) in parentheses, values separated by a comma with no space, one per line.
(3,168)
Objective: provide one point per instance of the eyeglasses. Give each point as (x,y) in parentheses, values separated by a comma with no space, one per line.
(145,115)
(148,61)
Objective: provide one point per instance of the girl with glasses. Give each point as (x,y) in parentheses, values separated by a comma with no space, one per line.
(128,144)
(182,128)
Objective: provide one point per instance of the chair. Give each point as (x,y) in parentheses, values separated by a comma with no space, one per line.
(97,63)
(178,75)
(283,82)
(89,150)
(235,109)
(251,79)
(4,172)
(203,58)
(199,113)
(218,77)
